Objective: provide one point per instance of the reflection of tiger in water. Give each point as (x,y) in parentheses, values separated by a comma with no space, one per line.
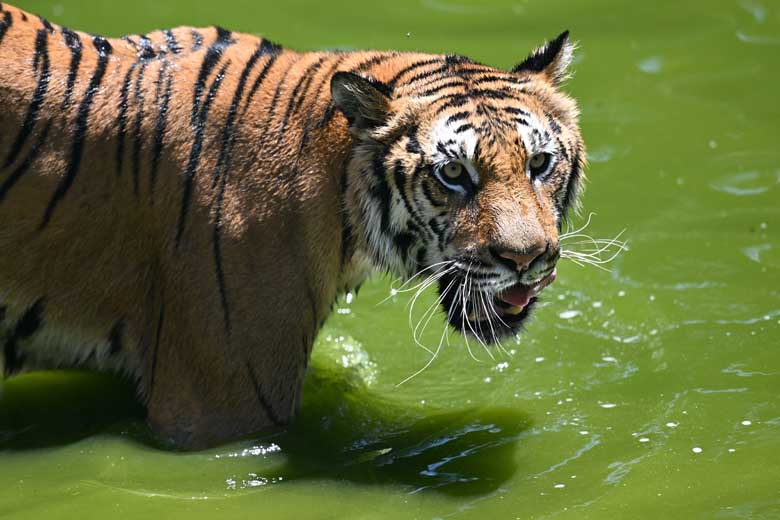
(184,207)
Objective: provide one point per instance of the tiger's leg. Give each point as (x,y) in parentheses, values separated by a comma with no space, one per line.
(206,386)
(201,401)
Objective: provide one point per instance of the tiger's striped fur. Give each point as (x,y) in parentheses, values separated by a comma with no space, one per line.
(185,206)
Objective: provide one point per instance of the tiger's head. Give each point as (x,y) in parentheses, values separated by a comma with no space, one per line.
(464,173)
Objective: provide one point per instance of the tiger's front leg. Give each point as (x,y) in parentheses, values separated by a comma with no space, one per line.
(209,380)
(214,393)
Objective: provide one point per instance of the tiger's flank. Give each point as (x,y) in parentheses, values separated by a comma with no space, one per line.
(184,207)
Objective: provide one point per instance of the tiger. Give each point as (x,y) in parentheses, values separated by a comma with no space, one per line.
(185,207)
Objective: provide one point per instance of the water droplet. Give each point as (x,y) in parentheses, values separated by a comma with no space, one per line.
(539,359)
(672,424)
(696,450)
(644,439)
(567,315)
(559,486)
(621,293)
(746,423)
(608,405)
(651,65)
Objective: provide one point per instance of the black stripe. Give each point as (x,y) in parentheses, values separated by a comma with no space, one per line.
(556,128)
(381,191)
(439,73)
(156,351)
(268,48)
(421,254)
(210,60)
(428,192)
(129,40)
(27,325)
(170,40)
(516,111)
(197,147)
(124,95)
(458,116)
(197,40)
(227,131)
(463,128)
(489,77)
(20,170)
(346,226)
(303,83)
(574,182)
(73,41)
(277,94)
(115,337)
(220,174)
(400,186)
(406,70)
(372,62)
(199,115)
(216,241)
(269,411)
(330,111)
(161,125)
(103,48)
(138,137)
(40,61)
(441,86)
(5,23)
(413,145)
(46,24)
(146,52)
(403,242)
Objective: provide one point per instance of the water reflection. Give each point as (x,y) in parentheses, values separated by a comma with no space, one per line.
(344,432)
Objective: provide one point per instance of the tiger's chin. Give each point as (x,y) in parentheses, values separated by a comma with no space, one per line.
(490,318)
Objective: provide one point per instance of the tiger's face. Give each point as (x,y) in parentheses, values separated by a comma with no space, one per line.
(465,180)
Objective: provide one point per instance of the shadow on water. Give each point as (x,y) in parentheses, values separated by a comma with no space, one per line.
(343,432)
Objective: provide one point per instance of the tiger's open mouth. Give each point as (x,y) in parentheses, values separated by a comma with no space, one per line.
(489,317)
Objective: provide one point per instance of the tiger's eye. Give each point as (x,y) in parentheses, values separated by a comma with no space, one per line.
(453,170)
(538,164)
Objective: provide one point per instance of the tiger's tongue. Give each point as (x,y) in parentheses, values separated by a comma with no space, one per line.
(517,295)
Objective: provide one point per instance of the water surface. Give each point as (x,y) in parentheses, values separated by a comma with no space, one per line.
(648,391)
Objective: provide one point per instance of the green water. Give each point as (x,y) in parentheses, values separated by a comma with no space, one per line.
(649,391)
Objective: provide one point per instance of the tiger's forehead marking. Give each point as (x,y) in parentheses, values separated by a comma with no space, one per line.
(533,133)
(463,135)
(453,138)
(456,136)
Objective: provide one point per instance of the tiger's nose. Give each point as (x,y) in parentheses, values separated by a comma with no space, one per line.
(520,260)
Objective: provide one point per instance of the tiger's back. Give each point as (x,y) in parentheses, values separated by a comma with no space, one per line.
(185,207)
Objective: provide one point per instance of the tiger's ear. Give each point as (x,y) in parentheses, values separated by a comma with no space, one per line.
(365,101)
(551,59)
